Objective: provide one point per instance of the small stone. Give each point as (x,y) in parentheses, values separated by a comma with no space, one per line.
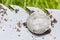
(38,23)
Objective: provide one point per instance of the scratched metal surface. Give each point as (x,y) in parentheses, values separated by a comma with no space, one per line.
(10,29)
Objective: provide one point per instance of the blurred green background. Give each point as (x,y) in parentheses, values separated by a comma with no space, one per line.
(55,4)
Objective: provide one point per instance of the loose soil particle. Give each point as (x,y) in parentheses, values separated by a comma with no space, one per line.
(18,30)
(19,24)
(52,24)
(16,10)
(50,16)
(32,36)
(5,13)
(42,37)
(55,21)
(47,12)
(31,12)
(5,19)
(54,37)
(18,35)
(24,24)
(2,15)
(3,30)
